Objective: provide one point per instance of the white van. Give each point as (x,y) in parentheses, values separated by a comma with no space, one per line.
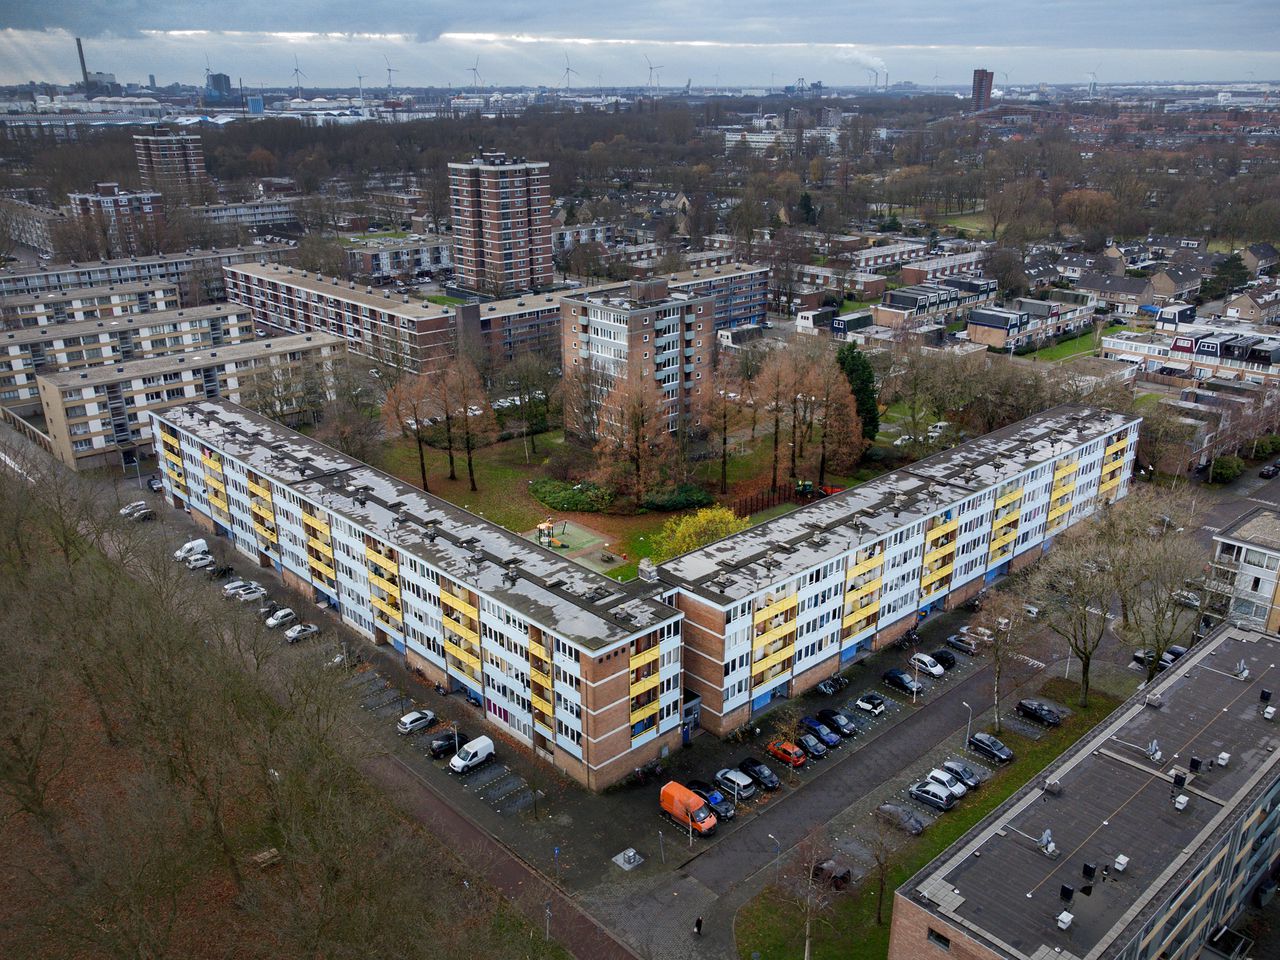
(190,549)
(472,754)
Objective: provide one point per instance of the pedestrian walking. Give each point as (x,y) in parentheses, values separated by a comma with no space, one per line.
(697,927)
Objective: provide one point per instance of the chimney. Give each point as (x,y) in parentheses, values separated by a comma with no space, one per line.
(84,71)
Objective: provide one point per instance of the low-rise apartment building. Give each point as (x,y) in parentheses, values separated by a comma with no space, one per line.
(379,261)
(1199,352)
(30,351)
(580,668)
(1243,584)
(1146,840)
(275,213)
(773,610)
(94,415)
(935,268)
(565,238)
(198,273)
(30,224)
(933,303)
(1028,322)
(87,303)
(878,259)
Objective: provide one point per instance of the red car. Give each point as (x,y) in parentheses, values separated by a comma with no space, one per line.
(787,752)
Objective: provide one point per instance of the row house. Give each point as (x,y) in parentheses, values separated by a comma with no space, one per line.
(933,303)
(1121,294)
(935,268)
(1258,304)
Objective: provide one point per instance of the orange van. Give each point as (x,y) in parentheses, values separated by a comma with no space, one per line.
(687,808)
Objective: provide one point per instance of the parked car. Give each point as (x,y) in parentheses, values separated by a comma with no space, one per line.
(946,659)
(1039,711)
(990,747)
(811,745)
(199,561)
(281,618)
(472,754)
(219,572)
(1269,471)
(787,752)
(301,631)
(833,874)
(415,720)
(191,548)
(976,634)
(760,774)
(250,594)
(926,664)
(947,782)
(871,703)
(903,440)
(445,743)
(1186,598)
(932,795)
(736,784)
(1031,610)
(1177,651)
(825,734)
(838,722)
(154,485)
(717,801)
(963,772)
(966,645)
(1143,658)
(901,680)
(143,515)
(826,687)
(901,817)
(679,803)
(129,508)
(233,586)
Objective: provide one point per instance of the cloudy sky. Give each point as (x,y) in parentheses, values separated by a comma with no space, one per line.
(746,42)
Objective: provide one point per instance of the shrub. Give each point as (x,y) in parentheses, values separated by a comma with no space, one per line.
(584,497)
(569,462)
(678,498)
(682,534)
(1267,446)
(1226,469)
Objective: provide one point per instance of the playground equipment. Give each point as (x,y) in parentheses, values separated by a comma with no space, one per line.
(547,533)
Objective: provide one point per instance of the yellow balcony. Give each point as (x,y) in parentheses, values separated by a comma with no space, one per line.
(264,533)
(641,687)
(777,607)
(320,546)
(323,568)
(540,704)
(1113,466)
(543,728)
(391,611)
(216,484)
(263,511)
(937,575)
(1116,447)
(769,636)
(459,604)
(1057,512)
(862,613)
(211,464)
(539,677)
(999,542)
(315,523)
(258,490)
(542,653)
(461,653)
(863,566)
(1063,469)
(219,503)
(1008,498)
(1110,485)
(941,530)
(1062,491)
(384,584)
(175,476)
(760,666)
(869,587)
(933,556)
(645,712)
(465,632)
(173,458)
(645,657)
(1006,519)
(386,563)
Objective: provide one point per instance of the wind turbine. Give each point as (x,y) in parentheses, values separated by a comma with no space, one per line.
(568,73)
(474,70)
(298,77)
(652,71)
(390,71)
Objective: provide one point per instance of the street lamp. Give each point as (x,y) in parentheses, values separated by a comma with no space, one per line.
(777,857)
(968,727)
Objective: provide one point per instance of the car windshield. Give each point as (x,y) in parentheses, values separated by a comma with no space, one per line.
(464,754)
(701,814)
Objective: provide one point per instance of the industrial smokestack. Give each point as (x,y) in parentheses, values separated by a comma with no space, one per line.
(84,71)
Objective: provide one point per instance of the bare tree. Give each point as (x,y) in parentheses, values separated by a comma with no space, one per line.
(408,410)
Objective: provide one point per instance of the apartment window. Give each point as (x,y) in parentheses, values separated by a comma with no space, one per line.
(938,940)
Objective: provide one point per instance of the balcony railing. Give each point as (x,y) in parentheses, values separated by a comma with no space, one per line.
(863,566)
(778,606)
(385,562)
(645,657)
(1008,498)
(458,604)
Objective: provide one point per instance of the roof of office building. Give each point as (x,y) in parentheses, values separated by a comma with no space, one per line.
(1115,797)
(1261,525)
(197,359)
(127,321)
(739,565)
(569,600)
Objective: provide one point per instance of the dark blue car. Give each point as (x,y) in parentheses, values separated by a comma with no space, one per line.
(820,730)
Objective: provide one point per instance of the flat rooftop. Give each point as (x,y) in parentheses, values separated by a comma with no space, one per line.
(27,270)
(64,295)
(1261,525)
(550,590)
(742,564)
(154,366)
(1116,799)
(128,321)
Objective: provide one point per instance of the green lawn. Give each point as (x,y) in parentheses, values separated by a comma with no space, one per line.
(442,300)
(1075,347)
(850,305)
(973,222)
(770,927)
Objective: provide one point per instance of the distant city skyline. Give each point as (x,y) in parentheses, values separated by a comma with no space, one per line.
(746,43)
